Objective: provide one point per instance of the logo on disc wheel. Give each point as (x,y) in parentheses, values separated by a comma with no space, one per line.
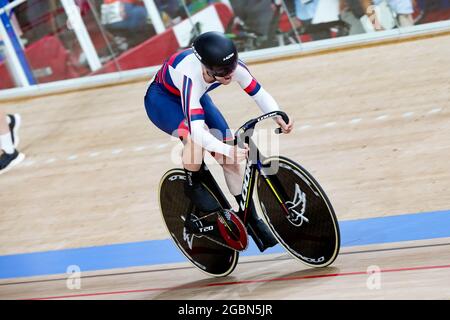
(297,208)
(188,237)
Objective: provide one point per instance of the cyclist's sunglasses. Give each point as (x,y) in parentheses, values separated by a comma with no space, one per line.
(221,71)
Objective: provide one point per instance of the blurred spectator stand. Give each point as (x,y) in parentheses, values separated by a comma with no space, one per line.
(127,19)
(153,51)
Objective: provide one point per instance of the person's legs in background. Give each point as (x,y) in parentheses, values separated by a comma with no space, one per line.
(351,12)
(9,140)
(305,13)
(134,27)
(404,10)
(259,17)
(136,17)
(138,22)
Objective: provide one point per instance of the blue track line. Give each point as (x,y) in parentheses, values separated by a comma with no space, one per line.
(407,227)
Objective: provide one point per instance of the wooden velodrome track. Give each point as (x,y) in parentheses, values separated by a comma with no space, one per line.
(372,125)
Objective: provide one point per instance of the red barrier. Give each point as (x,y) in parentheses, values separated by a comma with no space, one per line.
(6,81)
(155,50)
(150,53)
(49,60)
(225,13)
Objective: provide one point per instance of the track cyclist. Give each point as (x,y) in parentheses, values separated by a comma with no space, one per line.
(177,102)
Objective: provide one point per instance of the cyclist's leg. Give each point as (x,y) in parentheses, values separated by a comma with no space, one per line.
(194,189)
(163,109)
(166,113)
(233,173)
(218,127)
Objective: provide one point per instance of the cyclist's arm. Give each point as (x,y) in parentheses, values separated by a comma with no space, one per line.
(249,84)
(195,115)
(201,136)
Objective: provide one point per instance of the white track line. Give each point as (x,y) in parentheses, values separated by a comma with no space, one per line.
(356,120)
(382,117)
(140,148)
(49,161)
(435,110)
(29,163)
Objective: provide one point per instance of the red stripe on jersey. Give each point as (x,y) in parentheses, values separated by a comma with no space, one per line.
(251,86)
(197,111)
(173,90)
(173,57)
(183,130)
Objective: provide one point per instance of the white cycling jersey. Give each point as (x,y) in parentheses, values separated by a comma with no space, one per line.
(182,76)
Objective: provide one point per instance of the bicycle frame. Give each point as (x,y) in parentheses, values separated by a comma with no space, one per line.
(244,134)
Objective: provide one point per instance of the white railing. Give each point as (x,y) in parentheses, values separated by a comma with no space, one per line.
(11,5)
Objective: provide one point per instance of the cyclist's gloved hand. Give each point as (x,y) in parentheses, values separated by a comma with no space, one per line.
(286,128)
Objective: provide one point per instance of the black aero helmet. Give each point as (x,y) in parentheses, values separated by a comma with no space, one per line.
(216,52)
